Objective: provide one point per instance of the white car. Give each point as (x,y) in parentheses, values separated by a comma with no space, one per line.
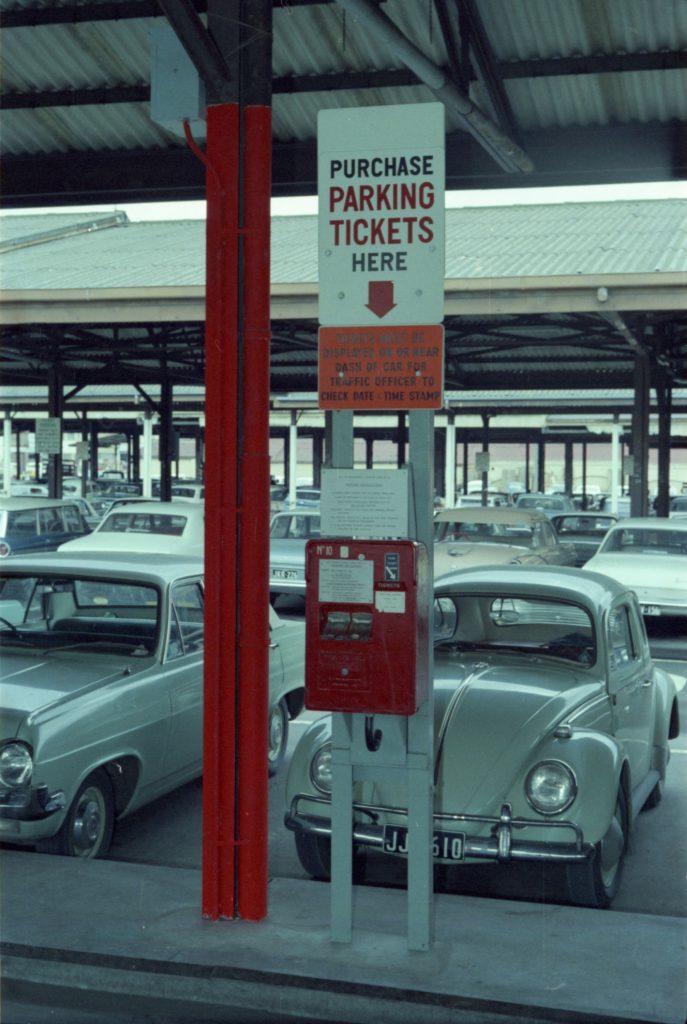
(165,527)
(466,538)
(650,556)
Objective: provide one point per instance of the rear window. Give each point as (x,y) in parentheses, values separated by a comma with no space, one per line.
(144,522)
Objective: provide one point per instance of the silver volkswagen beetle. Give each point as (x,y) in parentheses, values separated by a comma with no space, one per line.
(551,733)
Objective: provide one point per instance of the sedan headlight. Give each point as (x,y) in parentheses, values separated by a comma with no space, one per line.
(16,766)
(321,769)
(550,787)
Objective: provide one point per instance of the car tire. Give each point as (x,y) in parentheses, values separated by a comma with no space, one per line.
(655,796)
(88,827)
(277,737)
(315,854)
(591,883)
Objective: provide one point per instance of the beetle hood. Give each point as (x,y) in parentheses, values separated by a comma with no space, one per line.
(494,723)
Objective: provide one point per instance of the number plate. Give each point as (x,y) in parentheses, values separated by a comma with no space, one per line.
(650,609)
(285,574)
(445,845)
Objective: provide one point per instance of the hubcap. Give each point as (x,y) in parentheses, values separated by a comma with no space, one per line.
(89,820)
(276,732)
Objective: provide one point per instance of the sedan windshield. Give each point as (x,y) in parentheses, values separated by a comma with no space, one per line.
(57,611)
(518,533)
(506,623)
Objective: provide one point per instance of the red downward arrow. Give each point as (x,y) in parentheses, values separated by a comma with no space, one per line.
(380,297)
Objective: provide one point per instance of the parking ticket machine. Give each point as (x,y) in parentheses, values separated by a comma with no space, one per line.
(366,626)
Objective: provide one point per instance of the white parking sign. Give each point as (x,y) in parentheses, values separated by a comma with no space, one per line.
(381,222)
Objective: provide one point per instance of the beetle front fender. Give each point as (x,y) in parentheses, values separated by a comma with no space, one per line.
(597,761)
(298,777)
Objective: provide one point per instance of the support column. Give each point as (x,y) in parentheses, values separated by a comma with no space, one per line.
(339,433)
(317,456)
(485,451)
(55,403)
(664,395)
(166,442)
(238,187)
(147,461)
(541,466)
(293,458)
(639,481)
(7,454)
(93,449)
(568,467)
(450,454)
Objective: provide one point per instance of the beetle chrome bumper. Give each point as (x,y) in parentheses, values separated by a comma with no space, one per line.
(501,845)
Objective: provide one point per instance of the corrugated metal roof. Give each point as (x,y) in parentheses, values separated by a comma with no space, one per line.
(324,40)
(548,240)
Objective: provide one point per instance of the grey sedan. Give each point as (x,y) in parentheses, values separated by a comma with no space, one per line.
(102,698)
(288,533)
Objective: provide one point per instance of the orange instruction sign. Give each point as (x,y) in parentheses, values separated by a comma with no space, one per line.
(381,367)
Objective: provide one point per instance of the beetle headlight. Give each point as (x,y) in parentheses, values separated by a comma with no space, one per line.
(16,765)
(321,769)
(550,787)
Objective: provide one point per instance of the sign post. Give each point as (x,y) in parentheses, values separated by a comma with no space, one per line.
(381,346)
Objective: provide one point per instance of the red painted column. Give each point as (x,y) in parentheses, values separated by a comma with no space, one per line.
(254,475)
(221,498)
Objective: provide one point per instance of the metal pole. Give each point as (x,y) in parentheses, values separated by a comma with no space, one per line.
(221,403)
(254,476)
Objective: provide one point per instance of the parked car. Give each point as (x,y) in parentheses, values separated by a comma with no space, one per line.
(102,664)
(465,538)
(306,497)
(163,526)
(549,504)
(28,488)
(107,490)
(678,505)
(474,499)
(88,512)
(650,555)
(188,491)
(38,524)
(288,533)
(585,530)
(534,761)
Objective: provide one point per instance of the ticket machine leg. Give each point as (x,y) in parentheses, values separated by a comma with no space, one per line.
(341,893)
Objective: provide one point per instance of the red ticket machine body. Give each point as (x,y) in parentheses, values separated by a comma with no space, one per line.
(366,626)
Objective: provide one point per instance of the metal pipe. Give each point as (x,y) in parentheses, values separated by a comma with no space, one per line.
(253,553)
(221,405)
(500,146)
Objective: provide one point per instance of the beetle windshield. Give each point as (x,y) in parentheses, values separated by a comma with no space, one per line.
(515,624)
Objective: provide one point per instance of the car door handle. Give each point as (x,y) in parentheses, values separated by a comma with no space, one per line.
(646,682)
(273,646)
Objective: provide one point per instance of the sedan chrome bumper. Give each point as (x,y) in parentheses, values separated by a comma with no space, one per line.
(501,845)
(30,804)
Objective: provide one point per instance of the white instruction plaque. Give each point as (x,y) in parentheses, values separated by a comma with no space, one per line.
(346,581)
(365,503)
